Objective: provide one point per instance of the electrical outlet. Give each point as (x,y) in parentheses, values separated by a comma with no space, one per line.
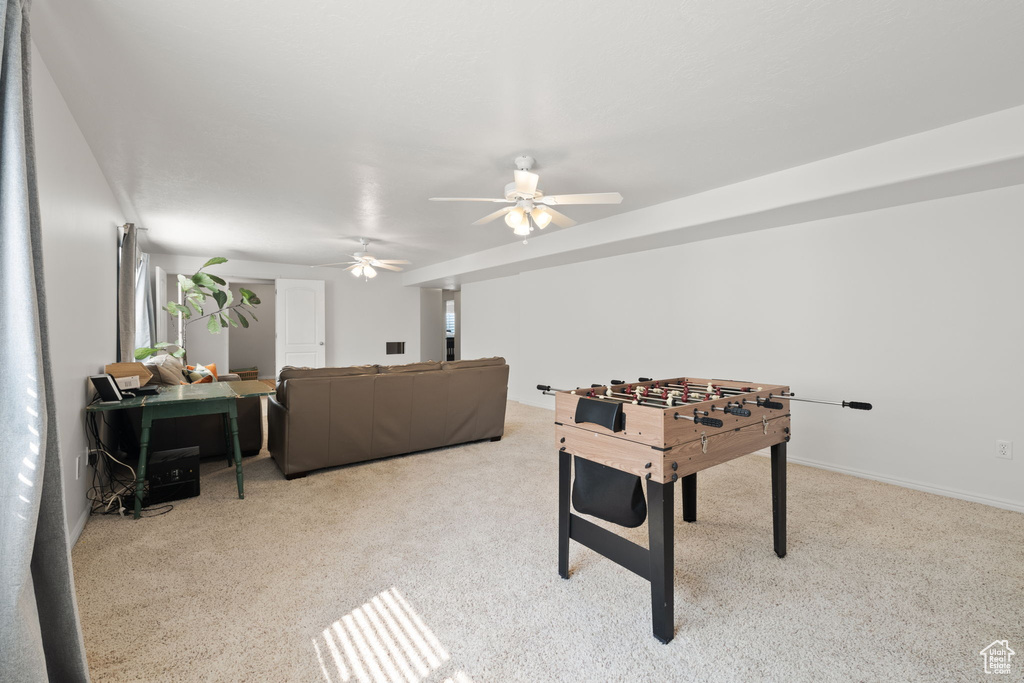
(1004,450)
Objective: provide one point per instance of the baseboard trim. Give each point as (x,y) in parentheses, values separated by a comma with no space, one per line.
(76,531)
(907,483)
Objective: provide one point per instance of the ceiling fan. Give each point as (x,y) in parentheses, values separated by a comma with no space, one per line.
(531,207)
(365,264)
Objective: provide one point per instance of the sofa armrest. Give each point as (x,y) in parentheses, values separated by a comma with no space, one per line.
(277,432)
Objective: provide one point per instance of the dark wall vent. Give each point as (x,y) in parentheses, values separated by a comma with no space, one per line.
(395,347)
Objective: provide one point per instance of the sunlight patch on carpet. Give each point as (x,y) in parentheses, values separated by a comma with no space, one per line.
(383,641)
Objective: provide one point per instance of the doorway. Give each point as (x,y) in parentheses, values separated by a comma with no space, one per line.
(252,348)
(450,302)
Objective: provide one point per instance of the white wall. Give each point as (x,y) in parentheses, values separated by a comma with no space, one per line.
(361,316)
(492,327)
(914,308)
(431,325)
(254,345)
(79,215)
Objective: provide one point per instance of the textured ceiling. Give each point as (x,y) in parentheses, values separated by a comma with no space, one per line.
(281,131)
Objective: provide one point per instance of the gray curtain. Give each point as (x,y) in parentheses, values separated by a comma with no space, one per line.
(40,638)
(129,258)
(145,316)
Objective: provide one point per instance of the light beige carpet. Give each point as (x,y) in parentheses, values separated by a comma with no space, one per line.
(442,566)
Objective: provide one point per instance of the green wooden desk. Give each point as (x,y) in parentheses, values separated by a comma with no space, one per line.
(183,401)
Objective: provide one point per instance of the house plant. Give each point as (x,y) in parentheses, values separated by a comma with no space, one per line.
(198,290)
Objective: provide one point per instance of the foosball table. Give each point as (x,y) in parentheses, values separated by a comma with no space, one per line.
(659,432)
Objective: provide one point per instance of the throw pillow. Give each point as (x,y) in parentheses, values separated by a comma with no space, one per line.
(202,374)
(166,369)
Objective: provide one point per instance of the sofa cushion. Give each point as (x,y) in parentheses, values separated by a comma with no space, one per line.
(292,372)
(475,363)
(425,366)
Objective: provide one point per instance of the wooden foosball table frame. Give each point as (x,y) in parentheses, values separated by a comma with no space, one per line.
(663,444)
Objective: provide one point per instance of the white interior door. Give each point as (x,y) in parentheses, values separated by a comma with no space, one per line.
(301,323)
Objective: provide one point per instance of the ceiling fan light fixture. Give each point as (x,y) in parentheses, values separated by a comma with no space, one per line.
(368,271)
(541,217)
(522,229)
(514,218)
(357,271)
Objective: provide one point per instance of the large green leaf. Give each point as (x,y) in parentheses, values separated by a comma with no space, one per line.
(221,298)
(184,283)
(213,324)
(214,261)
(180,353)
(144,352)
(204,280)
(219,280)
(247,294)
(241,318)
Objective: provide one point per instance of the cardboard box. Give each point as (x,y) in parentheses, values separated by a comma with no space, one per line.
(129,370)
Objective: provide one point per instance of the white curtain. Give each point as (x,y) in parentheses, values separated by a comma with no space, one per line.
(40,637)
(128,258)
(145,318)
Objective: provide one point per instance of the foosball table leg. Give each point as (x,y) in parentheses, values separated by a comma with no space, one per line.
(660,527)
(564,484)
(689,496)
(779,497)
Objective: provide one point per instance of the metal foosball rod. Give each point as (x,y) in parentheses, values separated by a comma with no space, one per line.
(620,398)
(789,396)
(684,398)
(855,405)
(646,400)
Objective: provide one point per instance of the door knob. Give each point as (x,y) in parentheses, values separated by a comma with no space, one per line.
(321,343)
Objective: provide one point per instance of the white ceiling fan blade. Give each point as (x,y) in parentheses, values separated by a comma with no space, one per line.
(389,260)
(386,266)
(353,266)
(592,198)
(560,219)
(325,265)
(491,216)
(526,182)
(470,199)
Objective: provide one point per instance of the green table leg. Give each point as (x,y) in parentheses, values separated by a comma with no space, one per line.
(228,451)
(233,413)
(140,475)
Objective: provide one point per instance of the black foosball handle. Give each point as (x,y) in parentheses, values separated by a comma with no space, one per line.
(772,405)
(857,405)
(739,412)
(643,379)
(543,387)
(617,381)
(709,421)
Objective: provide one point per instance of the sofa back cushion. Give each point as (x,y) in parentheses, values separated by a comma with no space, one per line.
(425,366)
(291,372)
(475,363)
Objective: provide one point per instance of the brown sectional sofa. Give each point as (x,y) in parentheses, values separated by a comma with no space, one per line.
(322,417)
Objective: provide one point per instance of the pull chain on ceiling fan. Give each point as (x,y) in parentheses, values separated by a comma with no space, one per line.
(531,207)
(365,264)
